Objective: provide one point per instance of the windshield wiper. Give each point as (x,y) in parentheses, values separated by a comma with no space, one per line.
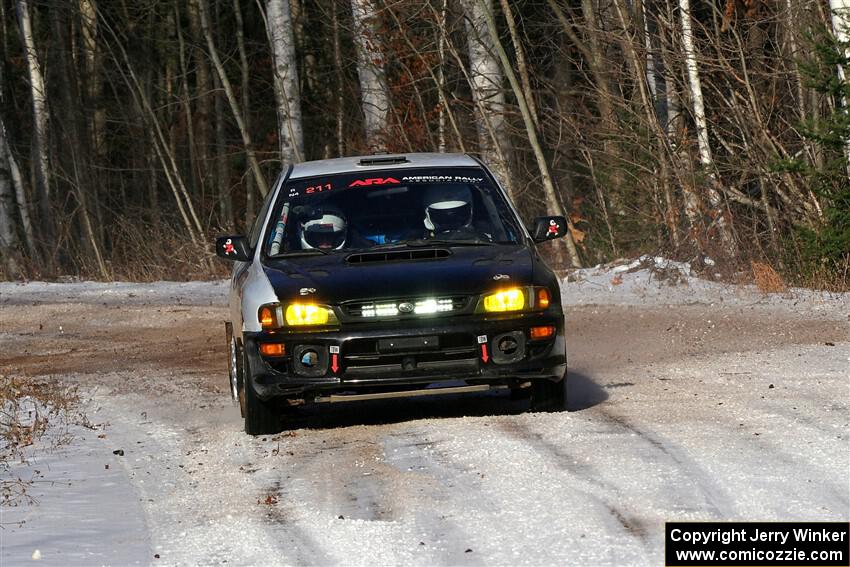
(423,242)
(310,252)
(445,242)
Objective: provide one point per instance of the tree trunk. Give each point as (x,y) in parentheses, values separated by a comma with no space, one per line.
(521,64)
(203,94)
(485,76)
(160,145)
(717,213)
(76,157)
(245,76)
(603,97)
(9,245)
(94,80)
(840,28)
(225,202)
(551,196)
(231,98)
(370,70)
(38,92)
(20,194)
(340,85)
(195,182)
(290,133)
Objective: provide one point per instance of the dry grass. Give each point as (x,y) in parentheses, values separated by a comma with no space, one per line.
(830,276)
(29,410)
(767,279)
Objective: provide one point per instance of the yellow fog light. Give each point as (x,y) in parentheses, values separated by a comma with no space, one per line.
(307,314)
(506,300)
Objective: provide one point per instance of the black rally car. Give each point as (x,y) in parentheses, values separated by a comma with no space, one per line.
(390,275)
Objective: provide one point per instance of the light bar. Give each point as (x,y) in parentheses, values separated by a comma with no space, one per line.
(429,306)
(422,307)
(379,310)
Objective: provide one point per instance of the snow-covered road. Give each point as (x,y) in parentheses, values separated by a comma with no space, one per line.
(693,402)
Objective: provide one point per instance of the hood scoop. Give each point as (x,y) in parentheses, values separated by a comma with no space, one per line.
(398,256)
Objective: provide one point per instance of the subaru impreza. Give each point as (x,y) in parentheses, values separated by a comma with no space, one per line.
(390,275)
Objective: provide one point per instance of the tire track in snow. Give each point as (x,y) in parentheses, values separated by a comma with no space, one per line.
(356,503)
(719,503)
(514,494)
(605,494)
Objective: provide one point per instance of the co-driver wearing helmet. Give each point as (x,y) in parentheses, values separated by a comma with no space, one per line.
(448,214)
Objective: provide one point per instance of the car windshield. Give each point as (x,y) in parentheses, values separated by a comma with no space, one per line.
(387,209)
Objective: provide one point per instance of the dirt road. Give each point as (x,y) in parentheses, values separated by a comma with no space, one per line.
(695,411)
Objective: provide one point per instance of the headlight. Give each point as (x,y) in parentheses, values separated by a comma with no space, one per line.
(274,316)
(506,300)
(307,314)
(515,299)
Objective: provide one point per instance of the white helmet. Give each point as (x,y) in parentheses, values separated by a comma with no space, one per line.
(447,208)
(327,232)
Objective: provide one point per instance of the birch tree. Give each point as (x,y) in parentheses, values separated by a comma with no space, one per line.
(9,245)
(840,28)
(287,96)
(38,92)
(698,107)
(374,88)
(485,76)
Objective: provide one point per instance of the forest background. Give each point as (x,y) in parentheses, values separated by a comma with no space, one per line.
(134,131)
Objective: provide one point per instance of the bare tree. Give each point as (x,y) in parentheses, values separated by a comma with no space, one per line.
(370,69)
(841,28)
(698,107)
(38,92)
(550,194)
(485,75)
(290,132)
(9,245)
(231,99)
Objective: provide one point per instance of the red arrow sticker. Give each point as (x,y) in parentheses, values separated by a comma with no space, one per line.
(484,356)
(334,365)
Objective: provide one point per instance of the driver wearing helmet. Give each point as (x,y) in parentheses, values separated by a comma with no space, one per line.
(448,213)
(326,230)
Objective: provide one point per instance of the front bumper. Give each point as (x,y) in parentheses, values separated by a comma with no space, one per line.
(495,349)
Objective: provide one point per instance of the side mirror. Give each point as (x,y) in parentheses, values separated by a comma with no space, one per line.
(234,248)
(548,228)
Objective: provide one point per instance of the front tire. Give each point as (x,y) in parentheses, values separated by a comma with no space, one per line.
(261,416)
(547,396)
(236,370)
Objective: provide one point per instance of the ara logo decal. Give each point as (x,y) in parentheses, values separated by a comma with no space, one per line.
(307,290)
(374,181)
(498,277)
(553,228)
(228,247)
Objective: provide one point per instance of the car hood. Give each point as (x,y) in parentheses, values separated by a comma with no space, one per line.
(467,270)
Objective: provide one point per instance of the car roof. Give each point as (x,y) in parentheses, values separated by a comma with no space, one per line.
(379,162)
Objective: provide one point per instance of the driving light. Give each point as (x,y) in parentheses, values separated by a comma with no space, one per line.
(506,300)
(307,314)
(428,306)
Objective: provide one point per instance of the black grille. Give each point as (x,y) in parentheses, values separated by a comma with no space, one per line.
(365,359)
(398,256)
